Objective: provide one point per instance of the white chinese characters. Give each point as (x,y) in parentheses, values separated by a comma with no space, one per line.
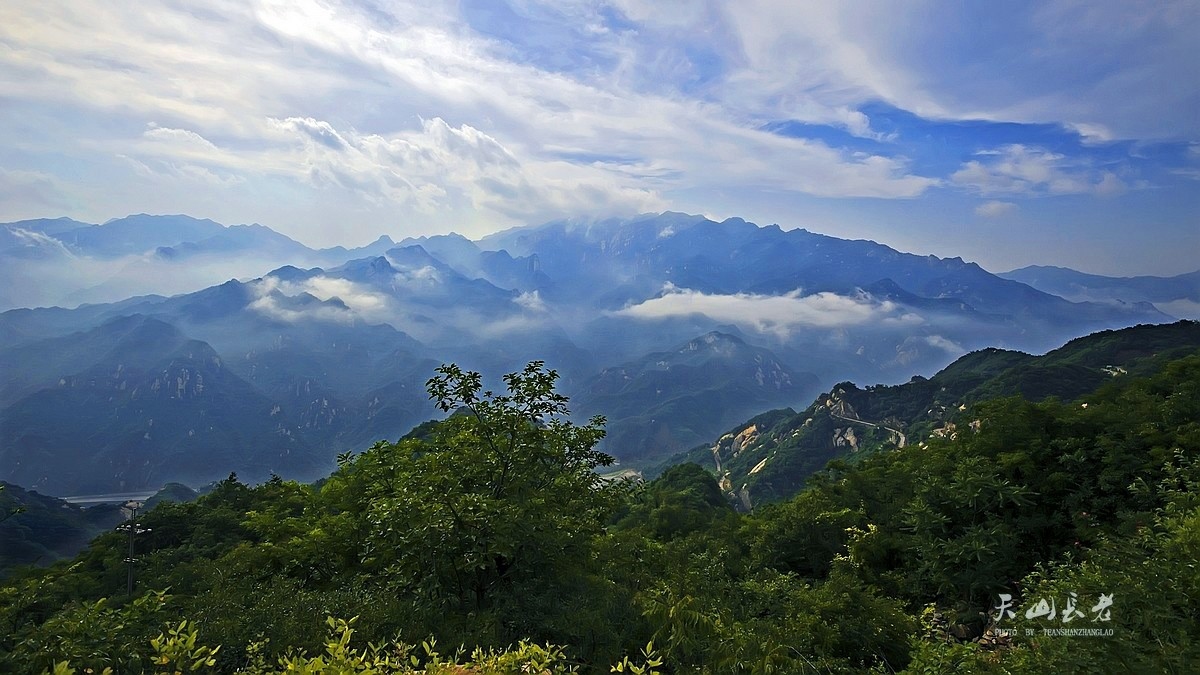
(1047,609)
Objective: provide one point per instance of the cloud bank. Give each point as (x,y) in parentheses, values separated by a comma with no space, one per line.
(1022,170)
(780,315)
(342,300)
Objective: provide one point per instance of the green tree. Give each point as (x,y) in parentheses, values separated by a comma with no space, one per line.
(502,492)
(685,499)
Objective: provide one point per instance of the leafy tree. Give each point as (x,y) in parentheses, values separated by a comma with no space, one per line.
(683,500)
(802,535)
(502,493)
(94,636)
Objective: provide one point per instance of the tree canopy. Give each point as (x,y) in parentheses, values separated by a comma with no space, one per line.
(489,542)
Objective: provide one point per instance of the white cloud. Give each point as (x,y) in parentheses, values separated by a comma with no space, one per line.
(995,209)
(531,300)
(1193,154)
(440,167)
(945,344)
(316,130)
(408,107)
(360,301)
(22,238)
(780,315)
(1091,134)
(1019,169)
(30,193)
(181,139)
(270,306)
(171,172)
(1109,185)
(1054,64)
(543,111)
(357,297)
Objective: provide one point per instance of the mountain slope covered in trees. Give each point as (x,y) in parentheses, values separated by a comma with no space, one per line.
(493,527)
(769,457)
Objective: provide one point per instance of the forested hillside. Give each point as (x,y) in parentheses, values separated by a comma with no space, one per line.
(493,530)
(48,529)
(769,457)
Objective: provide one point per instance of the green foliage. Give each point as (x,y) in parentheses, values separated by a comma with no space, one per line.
(8,508)
(95,636)
(171,492)
(491,531)
(787,449)
(647,665)
(39,530)
(684,500)
(176,651)
(802,536)
(496,497)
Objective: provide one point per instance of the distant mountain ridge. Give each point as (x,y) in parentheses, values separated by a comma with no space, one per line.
(1179,294)
(336,345)
(124,256)
(153,403)
(734,255)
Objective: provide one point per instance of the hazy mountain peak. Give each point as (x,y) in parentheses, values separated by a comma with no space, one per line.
(292,273)
(49,226)
(142,219)
(714,340)
(1039,268)
(413,257)
(139,323)
(1178,295)
(367,268)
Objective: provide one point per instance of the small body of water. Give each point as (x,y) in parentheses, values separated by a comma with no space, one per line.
(112,498)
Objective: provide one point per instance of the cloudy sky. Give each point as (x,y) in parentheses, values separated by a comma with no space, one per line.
(1050,132)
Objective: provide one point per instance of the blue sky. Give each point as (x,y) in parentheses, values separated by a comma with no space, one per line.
(1006,133)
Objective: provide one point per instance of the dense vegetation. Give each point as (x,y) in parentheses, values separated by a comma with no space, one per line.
(764,459)
(48,529)
(491,538)
(51,529)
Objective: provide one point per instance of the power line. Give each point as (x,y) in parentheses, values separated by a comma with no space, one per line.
(132,528)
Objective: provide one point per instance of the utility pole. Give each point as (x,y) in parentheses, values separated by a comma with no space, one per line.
(131,528)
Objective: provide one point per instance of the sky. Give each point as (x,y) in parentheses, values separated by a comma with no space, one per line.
(1051,132)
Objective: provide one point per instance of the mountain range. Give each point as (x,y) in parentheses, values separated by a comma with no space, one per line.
(673,326)
(1178,295)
